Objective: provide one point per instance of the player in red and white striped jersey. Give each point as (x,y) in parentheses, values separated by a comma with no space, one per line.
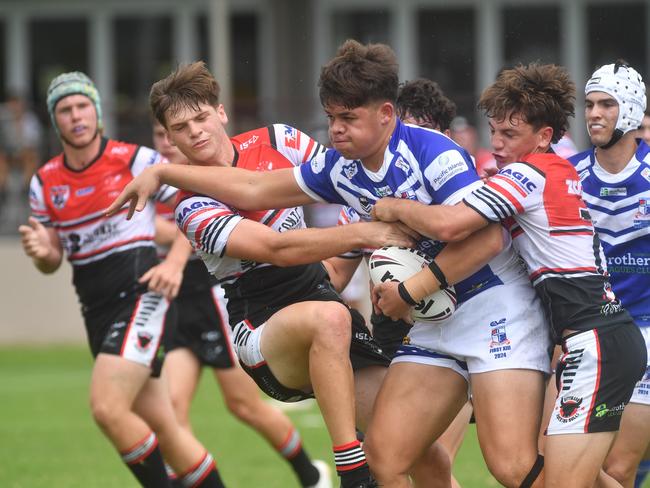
(538,194)
(202,338)
(122,289)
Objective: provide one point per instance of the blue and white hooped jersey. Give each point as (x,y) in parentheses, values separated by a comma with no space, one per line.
(419,164)
(619,205)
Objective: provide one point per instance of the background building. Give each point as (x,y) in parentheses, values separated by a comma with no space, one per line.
(267,53)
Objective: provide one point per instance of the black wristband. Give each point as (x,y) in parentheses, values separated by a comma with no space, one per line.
(440,276)
(404,294)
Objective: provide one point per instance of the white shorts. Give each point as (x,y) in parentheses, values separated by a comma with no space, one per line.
(503,327)
(642,389)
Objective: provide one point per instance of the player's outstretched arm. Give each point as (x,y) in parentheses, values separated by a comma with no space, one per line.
(42,244)
(442,222)
(254,241)
(243,189)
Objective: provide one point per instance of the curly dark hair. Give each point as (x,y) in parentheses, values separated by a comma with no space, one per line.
(188,86)
(359,74)
(541,94)
(424,100)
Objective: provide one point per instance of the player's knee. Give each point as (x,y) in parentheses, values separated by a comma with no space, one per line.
(516,471)
(620,470)
(241,407)
(104,413)
(333,324)
(385,465)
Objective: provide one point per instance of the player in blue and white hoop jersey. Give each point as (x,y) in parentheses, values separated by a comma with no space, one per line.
(615,177)
(374,155)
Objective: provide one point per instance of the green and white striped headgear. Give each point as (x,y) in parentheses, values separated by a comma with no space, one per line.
(73,83)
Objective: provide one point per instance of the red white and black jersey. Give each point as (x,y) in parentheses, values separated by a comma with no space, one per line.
(208,223)
(73,202)
(553,232)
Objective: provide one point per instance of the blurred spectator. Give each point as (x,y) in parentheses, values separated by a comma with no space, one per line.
(21,136)
(644,128)
(466,136)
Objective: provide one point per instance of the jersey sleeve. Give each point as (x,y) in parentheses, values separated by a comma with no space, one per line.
(293,144)
(145,157)
(206,223)
(516,189)
(451,175)
(314,178)
(37,201)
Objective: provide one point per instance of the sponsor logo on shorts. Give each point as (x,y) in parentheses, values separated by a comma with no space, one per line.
(569,409)
(602,411)
(499,343)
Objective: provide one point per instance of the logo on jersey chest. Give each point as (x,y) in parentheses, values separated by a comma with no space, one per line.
(366,204)
(401,164)
(59,195)
(574,187)
(249,142)
(642,216)
(383,191)
(613,192)
(408,195)
(349,170)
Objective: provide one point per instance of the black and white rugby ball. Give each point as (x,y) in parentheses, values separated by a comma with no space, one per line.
(400,263)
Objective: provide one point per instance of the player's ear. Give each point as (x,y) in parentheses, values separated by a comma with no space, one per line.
(221,113)
(386,112)
(545,135)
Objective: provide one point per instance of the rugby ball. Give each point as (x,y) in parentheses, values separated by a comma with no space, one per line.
(400,263)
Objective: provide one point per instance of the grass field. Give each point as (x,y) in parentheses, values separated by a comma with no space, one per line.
(48,438)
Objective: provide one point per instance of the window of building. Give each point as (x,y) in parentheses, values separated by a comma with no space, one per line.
(445,45)
(617,30)
(57,46)
(142,56)
(363,25)
(524,44)
(244,34)
(3,60)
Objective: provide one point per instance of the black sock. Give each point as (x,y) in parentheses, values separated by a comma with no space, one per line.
(351,464)
(292,450)
(146,463)
(203,475)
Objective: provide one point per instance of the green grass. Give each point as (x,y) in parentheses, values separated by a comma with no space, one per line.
(48,438)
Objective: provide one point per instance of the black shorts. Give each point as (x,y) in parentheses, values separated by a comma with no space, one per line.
(260,293)
(202,327)
(136,327)
(595,377)
(389,333)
